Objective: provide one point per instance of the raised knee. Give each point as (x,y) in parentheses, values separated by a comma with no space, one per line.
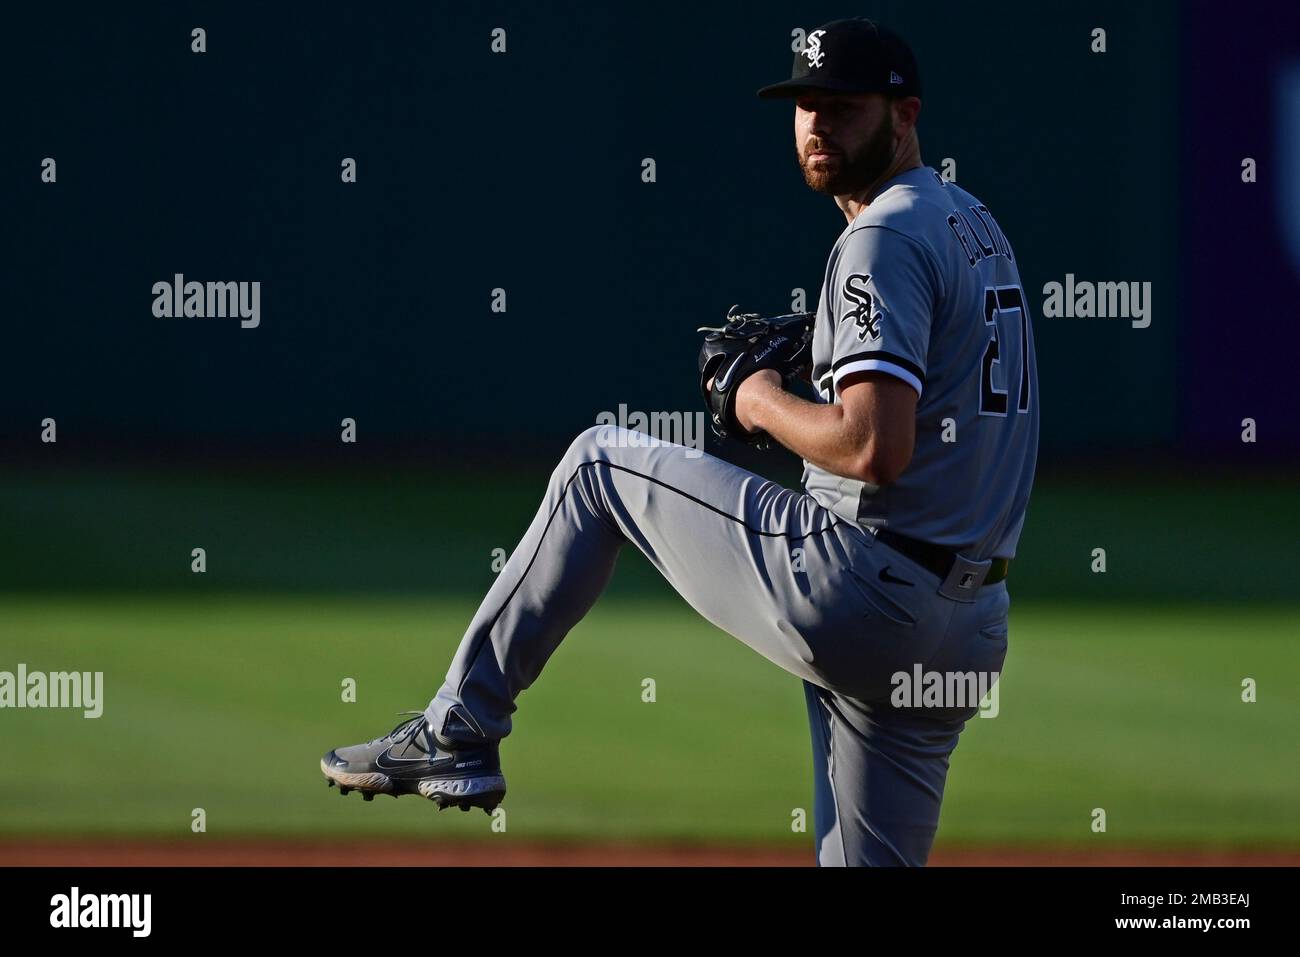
(587,446)
(587,443)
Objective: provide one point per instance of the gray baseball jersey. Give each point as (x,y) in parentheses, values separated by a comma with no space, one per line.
(923,285)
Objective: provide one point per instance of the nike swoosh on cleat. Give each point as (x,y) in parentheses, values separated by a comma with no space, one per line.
(387,762)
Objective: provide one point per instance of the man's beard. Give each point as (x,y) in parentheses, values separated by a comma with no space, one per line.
(850,174)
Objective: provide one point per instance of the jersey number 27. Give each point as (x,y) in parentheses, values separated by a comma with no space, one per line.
(1000,302)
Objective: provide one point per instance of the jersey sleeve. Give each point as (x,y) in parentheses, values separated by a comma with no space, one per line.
(881,307)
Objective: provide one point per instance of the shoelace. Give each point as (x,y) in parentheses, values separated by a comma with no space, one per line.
(408,728)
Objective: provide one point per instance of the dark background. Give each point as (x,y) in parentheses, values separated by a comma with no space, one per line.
(522,171)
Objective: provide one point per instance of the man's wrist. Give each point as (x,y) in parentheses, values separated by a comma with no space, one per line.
(750,398)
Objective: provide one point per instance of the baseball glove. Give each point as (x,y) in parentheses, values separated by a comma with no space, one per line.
(744,344)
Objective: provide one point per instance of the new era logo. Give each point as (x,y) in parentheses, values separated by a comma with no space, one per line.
(894,78)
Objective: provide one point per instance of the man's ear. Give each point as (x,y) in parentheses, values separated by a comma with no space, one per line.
(906,110)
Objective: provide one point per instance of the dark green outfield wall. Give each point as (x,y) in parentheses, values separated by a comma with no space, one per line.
(522,172)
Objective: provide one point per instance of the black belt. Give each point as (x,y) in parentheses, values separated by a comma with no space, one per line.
(937,558)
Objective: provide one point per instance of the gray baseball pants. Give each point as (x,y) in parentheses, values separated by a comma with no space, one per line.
(794,581)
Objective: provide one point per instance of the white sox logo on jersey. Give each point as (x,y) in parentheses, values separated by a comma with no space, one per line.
(813,51)
(865,312)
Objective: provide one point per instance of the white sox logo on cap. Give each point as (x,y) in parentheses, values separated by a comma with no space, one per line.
(856,55)
(814,49)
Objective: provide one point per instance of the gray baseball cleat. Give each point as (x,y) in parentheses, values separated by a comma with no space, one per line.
(410,759)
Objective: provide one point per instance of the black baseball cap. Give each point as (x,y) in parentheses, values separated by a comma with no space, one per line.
(856,55)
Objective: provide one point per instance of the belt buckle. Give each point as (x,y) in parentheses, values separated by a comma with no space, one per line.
(964,579)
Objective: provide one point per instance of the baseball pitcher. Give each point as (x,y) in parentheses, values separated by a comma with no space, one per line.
(890,566)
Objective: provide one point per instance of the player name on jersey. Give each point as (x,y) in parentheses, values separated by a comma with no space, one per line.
(984,242)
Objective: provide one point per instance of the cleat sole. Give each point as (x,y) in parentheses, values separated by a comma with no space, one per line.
(485,791)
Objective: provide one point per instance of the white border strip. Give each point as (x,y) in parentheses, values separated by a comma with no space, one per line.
(877,365)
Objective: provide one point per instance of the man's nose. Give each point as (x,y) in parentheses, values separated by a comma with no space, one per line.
(818,121)
(819,129)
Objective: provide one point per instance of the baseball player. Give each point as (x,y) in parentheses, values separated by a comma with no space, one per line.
(919,456)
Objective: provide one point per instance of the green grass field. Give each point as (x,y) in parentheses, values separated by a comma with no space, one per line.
(227,703)
(222,692)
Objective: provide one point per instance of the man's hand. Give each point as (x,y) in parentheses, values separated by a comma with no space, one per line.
(743,346)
